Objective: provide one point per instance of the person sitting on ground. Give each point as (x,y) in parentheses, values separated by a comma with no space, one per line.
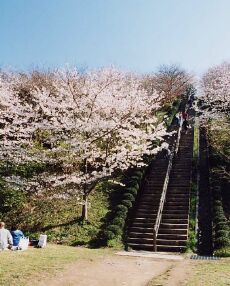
(6,239)
(17,235)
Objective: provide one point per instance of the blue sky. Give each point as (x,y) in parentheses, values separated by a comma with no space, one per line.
(136,35)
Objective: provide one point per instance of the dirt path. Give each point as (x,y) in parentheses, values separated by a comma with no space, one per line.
(179,273)
(111,271)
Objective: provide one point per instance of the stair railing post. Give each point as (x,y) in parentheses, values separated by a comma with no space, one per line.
(154,241)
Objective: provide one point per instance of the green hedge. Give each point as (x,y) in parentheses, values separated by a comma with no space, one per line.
(221,227)
(115,229)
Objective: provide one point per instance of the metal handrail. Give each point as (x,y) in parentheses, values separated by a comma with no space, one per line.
(165,187)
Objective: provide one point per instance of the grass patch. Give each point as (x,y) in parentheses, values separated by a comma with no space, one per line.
(61,220)
(210,273)
(21,267)
(161,279)
(223,252)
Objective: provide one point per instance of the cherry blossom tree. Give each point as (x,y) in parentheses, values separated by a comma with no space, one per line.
(214,109)
(170,80)
(90,125)
(215,89)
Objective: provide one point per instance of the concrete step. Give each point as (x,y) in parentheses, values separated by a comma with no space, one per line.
(175,192)
(178,195)
(171,248)
(183,180)
(151,195)
(179,199)
(179,188)
(149,205)
(170,242)
(143,220)
(182,167)
(174,212)
(168,208)
(180,179)
(172,231)
(141,229)
(183,176)
(156,187)
(172,236)
(142,224)
(175,221)
(173,203)
(140,240)
(149,200)
(179,206)
(137,246)
(175,184)
(155,179)
(148,190)
(180,176)
(173,226)
(181,215)
(153,187)
(146,215)
(146,209)
(147,235)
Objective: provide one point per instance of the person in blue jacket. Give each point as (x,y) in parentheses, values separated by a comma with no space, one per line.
(16,234)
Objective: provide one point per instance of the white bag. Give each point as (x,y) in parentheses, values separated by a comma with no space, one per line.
(42,240)
(23,243)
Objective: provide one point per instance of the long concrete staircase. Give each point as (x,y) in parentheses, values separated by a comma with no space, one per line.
(172,232)
(140,232)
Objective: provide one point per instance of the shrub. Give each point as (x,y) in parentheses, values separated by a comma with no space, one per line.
(121,214)
(120,221)
(222,242)
(222,233)
(218,217)
(192,241)
(126,203)
(138,174)
(218,204)
(115,229)
(221,226)
(133,184)
(129,197)
(115,242)
(122,208)
(223,252)
(110,234)
(132,190)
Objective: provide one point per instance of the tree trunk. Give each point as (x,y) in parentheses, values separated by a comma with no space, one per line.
(84,214)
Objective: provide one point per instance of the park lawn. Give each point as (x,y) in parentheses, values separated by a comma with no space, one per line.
(34,264)
(210,273)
